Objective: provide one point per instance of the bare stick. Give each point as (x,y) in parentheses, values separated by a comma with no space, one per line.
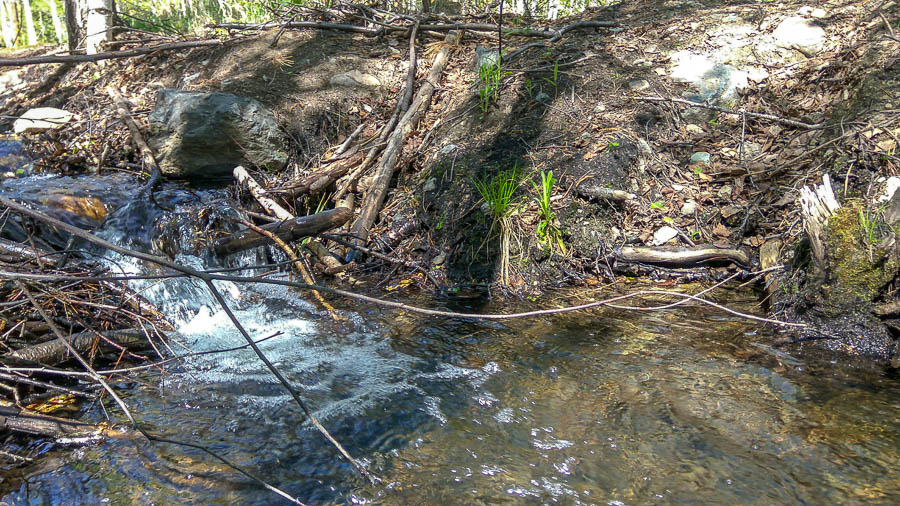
(128,53)
(377,192)
(123,109)
(770,117)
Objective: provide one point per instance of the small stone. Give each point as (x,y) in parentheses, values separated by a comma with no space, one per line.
(440,259)
(818,13)
(688,208)
(541,97)
(725,192)
(694,129)
(430,185)
(446,150)
(638,84)
(700,157)
(678,187)
(600,107)
(664,235)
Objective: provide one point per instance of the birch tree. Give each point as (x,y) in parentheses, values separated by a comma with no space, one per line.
(30,33)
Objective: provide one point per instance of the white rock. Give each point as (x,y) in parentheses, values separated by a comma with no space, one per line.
(40,119)
(688,208)
(664,235)
(893,183)
(798,33)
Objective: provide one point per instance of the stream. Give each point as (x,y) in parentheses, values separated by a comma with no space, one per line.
(604,407)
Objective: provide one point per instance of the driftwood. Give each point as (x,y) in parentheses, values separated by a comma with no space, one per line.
(680,256)
(82,58)
(123,108)
(322,179)
(376,194)
(55,351)
(288,230)
(26,421)
(276,210)
(400,107)
(599,192)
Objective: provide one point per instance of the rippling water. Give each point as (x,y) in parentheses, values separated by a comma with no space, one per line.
(682,406)
(600,408)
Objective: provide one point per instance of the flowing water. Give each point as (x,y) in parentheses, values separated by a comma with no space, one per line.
(682,406)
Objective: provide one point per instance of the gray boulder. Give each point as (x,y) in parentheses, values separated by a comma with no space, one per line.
(198,135)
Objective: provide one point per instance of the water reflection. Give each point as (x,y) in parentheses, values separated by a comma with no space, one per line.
(601,408)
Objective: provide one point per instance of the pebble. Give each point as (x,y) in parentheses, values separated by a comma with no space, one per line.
(688,208)
(430,185)
(725,192)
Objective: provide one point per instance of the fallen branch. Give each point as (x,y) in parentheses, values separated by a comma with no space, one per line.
(55,351)
(128,53)
(759,115)
(680,256)
(29,422)
(600,192)
(378,191)
(276,210)
(288,230)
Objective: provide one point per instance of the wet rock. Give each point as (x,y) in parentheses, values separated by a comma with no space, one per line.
(205,135)
(40,119)
(355,79)
(700,157)
(663,235)
(88,212)
(14,161)
(799,33)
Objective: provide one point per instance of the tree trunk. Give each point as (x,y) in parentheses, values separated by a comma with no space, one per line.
(6,25)
(74,27)
(97,25)
(31,35)
(57,24)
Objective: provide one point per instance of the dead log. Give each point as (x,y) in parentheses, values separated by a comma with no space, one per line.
(28,422)
(276,210)
(680,256)
(376,194)
(599,192)
(288,230)
(82,58)
(55,351)
(320,180)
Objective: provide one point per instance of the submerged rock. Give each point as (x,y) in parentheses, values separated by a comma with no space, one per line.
(205,135)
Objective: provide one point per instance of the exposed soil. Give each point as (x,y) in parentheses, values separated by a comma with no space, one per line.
(568,108)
